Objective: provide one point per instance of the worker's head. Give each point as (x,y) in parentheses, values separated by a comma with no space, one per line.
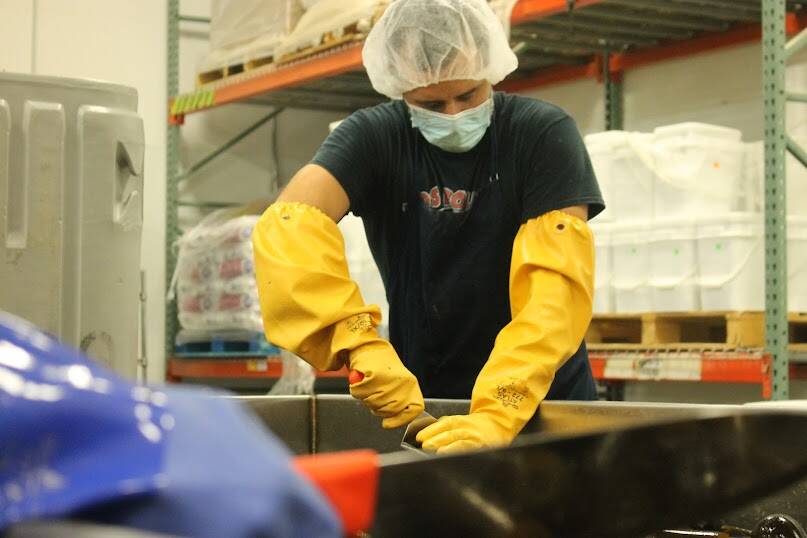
(442,57)
(419,44)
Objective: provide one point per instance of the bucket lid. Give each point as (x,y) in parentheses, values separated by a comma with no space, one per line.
(630,226)
(626,233)
(730,224)
(701,129)
(673,229)
(606,138)
(737,217)
(67,83)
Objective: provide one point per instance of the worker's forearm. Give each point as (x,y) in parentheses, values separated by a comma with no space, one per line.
(309,303)
(551,287)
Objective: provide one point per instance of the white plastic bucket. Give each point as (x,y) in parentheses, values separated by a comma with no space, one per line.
(699,169)
(731,258)
(630,248)
(674,266)
(797,263)
(621,163)
(603,290)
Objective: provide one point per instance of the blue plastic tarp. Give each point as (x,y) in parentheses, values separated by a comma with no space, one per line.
(76,440)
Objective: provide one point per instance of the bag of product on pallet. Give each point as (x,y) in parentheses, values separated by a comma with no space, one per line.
(215,280)
(699,170)
(623,164)
(242,31)
(330,23)
(298,377)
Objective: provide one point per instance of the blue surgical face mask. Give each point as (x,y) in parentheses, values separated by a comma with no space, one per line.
(456,133)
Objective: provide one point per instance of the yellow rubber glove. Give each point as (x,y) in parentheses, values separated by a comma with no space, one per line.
(551,289)
(311,307)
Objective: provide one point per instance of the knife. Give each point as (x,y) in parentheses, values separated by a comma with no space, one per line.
(618,482)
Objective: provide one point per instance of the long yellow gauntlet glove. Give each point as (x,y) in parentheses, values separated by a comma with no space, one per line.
(312,308)
(551,287)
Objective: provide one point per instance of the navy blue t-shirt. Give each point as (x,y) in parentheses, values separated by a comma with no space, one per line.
(441,225)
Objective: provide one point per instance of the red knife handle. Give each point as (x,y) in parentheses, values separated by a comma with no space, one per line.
(355,377)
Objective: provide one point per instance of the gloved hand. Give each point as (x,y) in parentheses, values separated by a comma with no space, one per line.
(385,385)
(312,308)
(551,290)
(460,433)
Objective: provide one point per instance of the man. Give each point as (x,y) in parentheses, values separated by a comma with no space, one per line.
(475,206)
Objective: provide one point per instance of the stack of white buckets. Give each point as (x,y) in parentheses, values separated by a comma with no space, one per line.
(684,230)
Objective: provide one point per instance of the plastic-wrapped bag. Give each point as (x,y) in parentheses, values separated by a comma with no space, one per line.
(215,275)
(298,377)
(330,17)
(243,30)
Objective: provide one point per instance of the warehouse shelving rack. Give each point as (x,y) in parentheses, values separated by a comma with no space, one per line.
(557,41)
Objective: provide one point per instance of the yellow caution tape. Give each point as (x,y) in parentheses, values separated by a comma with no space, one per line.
(190,102)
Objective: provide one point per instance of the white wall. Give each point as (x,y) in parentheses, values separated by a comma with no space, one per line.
(16,35)
(118,41)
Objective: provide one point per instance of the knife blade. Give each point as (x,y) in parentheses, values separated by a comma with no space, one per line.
(421,422)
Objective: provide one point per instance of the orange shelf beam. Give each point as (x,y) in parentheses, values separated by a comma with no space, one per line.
(738,36)
(621,63)
(715,368)
(268,368)
(743,34)
(329,65)
(742,368)
(552,75)
(527,10)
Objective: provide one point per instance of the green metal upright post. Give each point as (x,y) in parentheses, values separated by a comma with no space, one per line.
(172,176)
(773,78)
(614,116)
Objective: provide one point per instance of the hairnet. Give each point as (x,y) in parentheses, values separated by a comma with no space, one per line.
(417,43)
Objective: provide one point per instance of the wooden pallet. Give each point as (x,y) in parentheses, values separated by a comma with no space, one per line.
(329,41)
(218,74)
(349,34)
(236,69)
(262,61)
(687,330)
